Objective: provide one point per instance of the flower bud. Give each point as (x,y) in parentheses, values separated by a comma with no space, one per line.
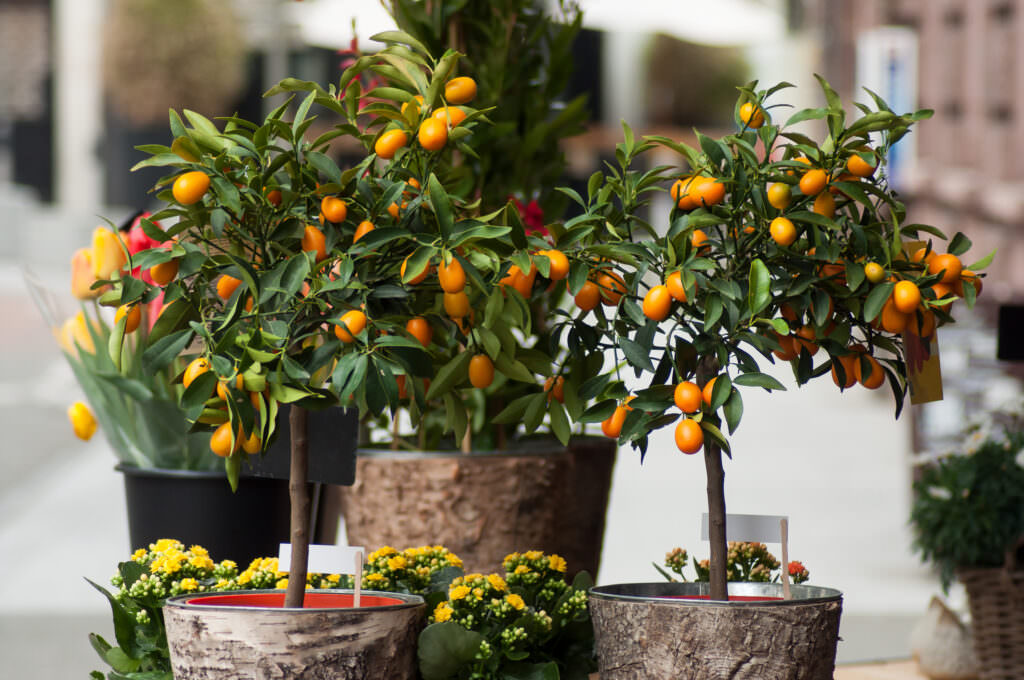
(83,275)
(74,334)
(108,255)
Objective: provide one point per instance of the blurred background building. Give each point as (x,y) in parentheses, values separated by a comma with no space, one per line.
(83,81)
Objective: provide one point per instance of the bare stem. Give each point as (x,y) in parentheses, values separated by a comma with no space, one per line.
(719,590)
(298,492)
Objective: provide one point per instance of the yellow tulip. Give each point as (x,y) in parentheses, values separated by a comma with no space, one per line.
(108,253)
(75,333)
(82,420)
(83,275)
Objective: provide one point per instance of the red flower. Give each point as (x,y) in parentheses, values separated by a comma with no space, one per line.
(533,217)
(796,568)
(137,240)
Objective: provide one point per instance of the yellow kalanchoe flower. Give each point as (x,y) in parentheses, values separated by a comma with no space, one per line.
(534,555)
(458,592)
(557,563)
(397,562)
(442,612)
(522,569)
(163,545)
(515,601)
(188,584)
(497,582)
(383,552)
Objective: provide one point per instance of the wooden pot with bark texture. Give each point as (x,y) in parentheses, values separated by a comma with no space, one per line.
(664,630)
(248,634)
(481,506)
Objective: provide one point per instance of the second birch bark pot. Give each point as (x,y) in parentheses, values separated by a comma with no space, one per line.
(660,630)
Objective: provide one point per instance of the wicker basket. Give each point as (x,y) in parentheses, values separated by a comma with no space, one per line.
(996,598)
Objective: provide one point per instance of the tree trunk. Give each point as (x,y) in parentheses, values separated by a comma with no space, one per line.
(298,491)
(706,370)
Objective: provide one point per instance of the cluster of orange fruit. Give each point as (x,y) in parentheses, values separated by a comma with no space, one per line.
(433,130)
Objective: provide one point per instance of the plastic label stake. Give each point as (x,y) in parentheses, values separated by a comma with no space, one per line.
(759,528)
(330,559)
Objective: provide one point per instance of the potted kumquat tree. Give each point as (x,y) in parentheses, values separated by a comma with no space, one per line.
(308,285)
(560,488)
(808,259)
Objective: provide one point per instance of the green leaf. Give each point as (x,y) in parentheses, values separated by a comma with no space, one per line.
(445,648)
(457,418)
(401,38)
(559,422)
(733,409)
(124,621)
(876,300)
(959,245)
(806,114)
(325,165)
(513,413)
(637,355)
(760,287)
(161,353)
(442,205)
(513,369)
(756,379)
(982,263)
(712,310)
(450,375)
(121,662)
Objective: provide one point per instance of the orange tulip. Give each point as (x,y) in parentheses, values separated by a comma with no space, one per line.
(74,334)
(83,275)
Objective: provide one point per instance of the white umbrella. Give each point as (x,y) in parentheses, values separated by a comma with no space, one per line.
(710,22)
(328,23)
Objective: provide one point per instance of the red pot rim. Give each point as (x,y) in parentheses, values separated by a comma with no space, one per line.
(315,599)
(732,598)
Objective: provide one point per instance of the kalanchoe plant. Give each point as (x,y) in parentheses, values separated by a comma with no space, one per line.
(745,561)
(528,622)
(167,568)
(776,245)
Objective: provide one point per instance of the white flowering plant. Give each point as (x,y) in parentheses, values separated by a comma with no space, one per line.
(745,561)
(167,568)
(968,506)
(530,622)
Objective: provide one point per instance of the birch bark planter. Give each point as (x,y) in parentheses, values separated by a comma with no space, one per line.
(662,630)
(250,635)
(484,505)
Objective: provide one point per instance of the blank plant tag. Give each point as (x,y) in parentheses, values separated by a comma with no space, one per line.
(760,528)
(326,559)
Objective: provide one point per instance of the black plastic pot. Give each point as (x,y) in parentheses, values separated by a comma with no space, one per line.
(199,508)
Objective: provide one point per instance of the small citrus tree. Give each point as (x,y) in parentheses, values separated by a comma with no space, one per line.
(374,286)
(777,246)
